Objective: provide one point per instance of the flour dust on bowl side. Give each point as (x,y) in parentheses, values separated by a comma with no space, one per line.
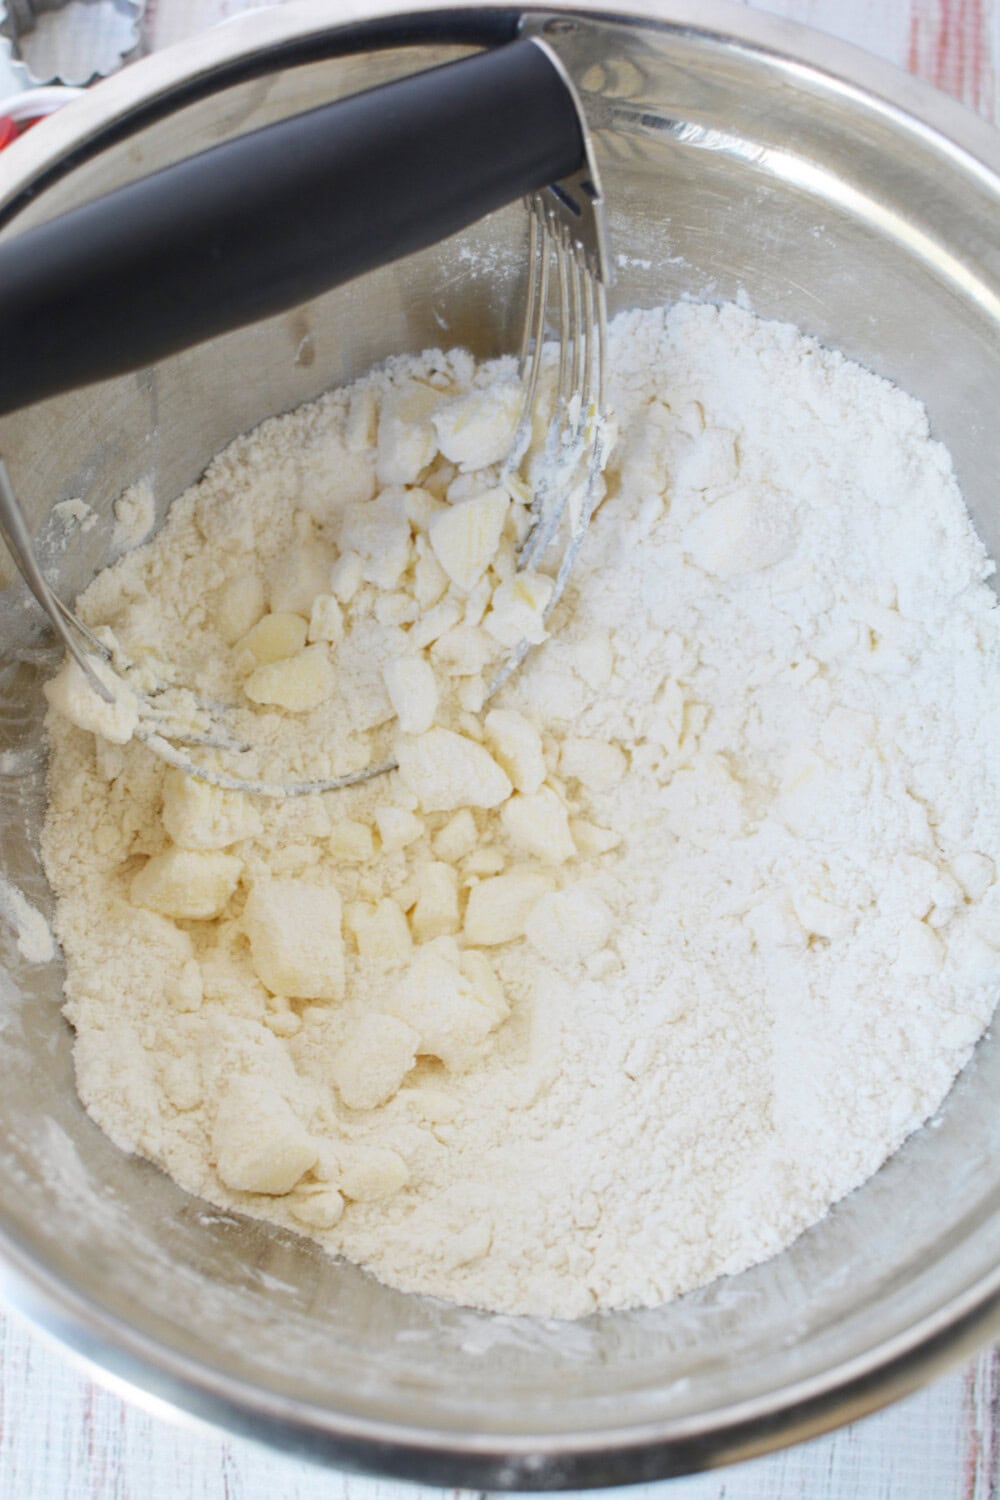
(783,555)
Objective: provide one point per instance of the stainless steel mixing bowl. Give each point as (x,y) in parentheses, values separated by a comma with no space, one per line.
(743,157)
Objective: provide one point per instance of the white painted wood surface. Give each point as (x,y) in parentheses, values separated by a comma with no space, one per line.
(62,1437)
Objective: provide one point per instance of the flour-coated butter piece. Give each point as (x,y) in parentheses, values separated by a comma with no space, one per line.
(326,620)
(537,823)
(465,537)
(407,440)
(239,605)
(379,534)
(397,827)
(445,770)
(259,1143)
(370,1174)
(373,1059)
(477,429)
(321,1208)
(567,926)
(413,692)
(187,884)
(436,910)
(457,838)
(498,908)
(381,931)
(71,695)
(351,841)
(198,815)
(300,573)
(298,683)
(517,745)
(453,1014)
(517,610)
(295,936)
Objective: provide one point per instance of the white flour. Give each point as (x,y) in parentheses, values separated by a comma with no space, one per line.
(753,848)
(30,930)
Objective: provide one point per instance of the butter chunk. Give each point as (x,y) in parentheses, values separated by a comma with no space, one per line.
(407,440)
(326,620)
(429,581)
(517,745)
(371,1173)
(434,624)
(590,838)
(260,1145)
(537,823)
(478,601)
(373,1060)
(71,695)
(297,684)
(445,771)
(465,537)
(345,577)
(361,426)
(498,908)
(382,931)
(321,1208)
(199,816)
(397,828)
(477,429)
(486,859)
(272,639)
(413,692)
(486,987)
(517,612)
(568,926)
(379,533)
(457,838)
(295,939)
(399,608)
(187,884)
(351,841)
(421,507)
(436,909)
(453,1014)
(299,574)
(240,604)
(462,652)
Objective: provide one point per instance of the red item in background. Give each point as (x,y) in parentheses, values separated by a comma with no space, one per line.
(11,129)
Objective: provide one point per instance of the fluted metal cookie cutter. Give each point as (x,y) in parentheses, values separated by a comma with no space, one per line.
(64,41)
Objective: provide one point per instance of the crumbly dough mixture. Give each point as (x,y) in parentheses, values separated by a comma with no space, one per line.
(623,977)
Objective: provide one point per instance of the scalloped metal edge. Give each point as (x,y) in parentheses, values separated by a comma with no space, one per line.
(16,77)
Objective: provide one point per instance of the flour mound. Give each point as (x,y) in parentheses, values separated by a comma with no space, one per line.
(618,984)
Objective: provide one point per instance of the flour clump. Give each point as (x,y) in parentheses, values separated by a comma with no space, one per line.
(624,976)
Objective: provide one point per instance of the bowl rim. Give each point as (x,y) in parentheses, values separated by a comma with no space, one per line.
(164,1383)
(155,1375)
